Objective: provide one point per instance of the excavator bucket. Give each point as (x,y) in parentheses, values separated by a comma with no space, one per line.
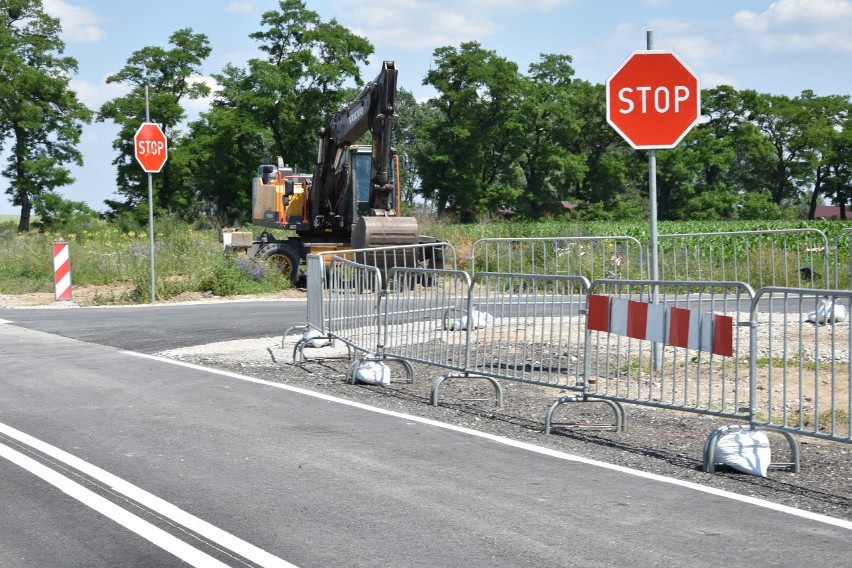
(382,232)
(371,232)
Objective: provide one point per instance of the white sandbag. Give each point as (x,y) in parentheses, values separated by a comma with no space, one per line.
(313,338)
(828,311)
(373,373)
(746,451)
(477,319)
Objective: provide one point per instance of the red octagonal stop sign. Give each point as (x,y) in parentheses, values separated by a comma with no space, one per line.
(151,147)
(653,99)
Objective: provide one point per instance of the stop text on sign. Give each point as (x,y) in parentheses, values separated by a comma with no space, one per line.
(154,147)
(662,98)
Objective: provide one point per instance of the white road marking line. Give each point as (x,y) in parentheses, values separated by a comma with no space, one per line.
(143,528)
(172,512)
(521,445)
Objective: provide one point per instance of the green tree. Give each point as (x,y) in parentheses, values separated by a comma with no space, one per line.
(40,116)
(410,117)
(758,206)
(606,156)
(222,151)
(550,160)
(58,214)
(308,62)
(171,76)
(740,158)
(818,139)
(781,120)
(839,159)
(472,164)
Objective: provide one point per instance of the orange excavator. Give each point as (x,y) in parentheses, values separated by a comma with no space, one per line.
(352,198)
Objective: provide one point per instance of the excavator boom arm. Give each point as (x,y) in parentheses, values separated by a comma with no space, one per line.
(373,111)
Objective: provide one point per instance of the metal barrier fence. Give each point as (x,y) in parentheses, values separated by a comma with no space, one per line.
(687,352)
(522,327)
(799,367)
(384,259)
(591,257)
(414,319)
(776,360)
(800,361)
(525,328)
(789,258)
(353,296)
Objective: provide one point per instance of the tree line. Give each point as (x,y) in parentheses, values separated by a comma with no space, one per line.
(492,137)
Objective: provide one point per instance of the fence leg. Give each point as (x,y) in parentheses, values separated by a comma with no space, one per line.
(498,390)
(616,407)
(713,439)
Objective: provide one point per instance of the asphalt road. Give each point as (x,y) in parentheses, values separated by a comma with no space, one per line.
(110,458)
(149,329)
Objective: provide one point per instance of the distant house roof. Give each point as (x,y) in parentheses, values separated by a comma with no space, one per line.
(827,212)
(569,206)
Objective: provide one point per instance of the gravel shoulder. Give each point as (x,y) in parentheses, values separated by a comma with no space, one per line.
(663,442)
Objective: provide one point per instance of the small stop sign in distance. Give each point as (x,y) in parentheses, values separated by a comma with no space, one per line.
(150,147)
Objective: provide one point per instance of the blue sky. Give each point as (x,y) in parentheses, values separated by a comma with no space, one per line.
(780,47)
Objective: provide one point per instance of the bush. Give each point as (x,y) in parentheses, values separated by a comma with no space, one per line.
(231,276)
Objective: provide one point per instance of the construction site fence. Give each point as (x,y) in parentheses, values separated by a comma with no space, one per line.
(334,276)
(801,258)
(776,359)
(798,258)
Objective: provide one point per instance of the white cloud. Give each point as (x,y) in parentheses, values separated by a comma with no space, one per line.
(711,80)
(800,25)
(79,24)
(197,106)
(239,7)
(697,50)
(93,95)
(425,24)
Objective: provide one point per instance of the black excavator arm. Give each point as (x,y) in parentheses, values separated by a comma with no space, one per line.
(373,111)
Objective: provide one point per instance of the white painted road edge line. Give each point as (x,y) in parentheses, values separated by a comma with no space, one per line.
(172,512)
(143,528)
(517,444)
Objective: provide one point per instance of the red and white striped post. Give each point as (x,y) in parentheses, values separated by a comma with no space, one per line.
(61,271)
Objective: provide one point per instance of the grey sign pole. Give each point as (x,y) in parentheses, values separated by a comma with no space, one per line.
(657,350)
(150,210)
(652,195)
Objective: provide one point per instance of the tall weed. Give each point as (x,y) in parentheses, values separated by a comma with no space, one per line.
(185,260)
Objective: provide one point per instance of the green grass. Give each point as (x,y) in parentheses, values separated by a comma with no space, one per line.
(186,260)
(189,259)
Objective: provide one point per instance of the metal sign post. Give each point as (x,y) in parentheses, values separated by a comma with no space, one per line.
(652,195)
(150,210)
(152,150)
(653,100)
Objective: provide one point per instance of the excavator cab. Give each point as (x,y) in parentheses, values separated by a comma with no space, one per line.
(361,180)
(360,163)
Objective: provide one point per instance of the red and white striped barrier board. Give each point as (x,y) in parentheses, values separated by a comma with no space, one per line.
(674,326)
(61,271)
